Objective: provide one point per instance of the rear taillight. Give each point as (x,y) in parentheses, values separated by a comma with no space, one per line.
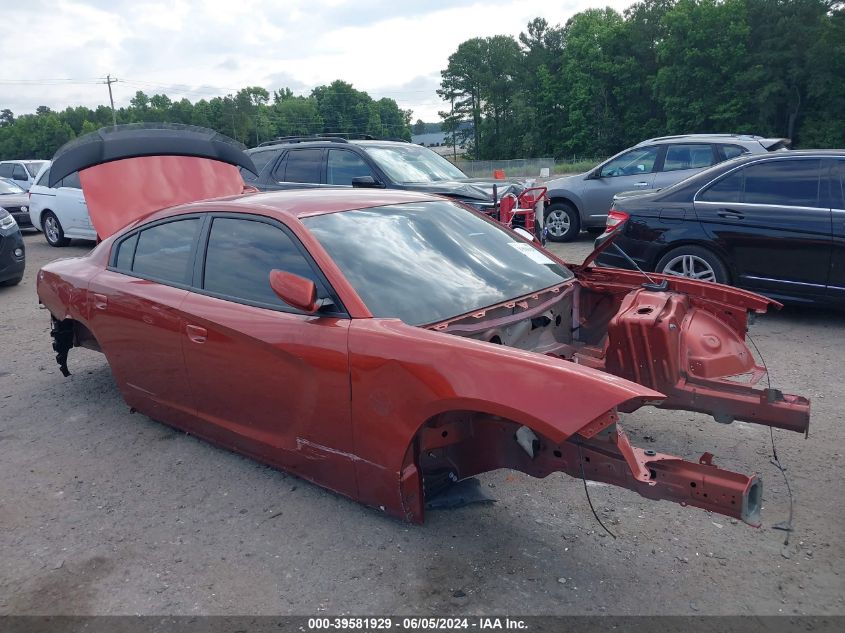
(614,219)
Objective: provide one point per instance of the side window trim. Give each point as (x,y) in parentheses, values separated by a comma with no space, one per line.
(743,167)
(115,249)
(279,162)
(199,266)
(697,197)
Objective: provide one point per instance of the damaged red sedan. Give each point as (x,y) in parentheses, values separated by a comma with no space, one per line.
(384,344)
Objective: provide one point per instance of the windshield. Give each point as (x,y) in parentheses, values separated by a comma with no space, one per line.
(33,166)
(408,164)
(424,262)
(7,186)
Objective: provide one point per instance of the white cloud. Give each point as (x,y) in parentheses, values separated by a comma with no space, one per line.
(203,49)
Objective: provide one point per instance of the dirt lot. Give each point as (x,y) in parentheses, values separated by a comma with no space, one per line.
(106,512)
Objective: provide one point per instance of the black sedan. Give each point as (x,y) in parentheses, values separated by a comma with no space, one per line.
(12,251)
(774,224)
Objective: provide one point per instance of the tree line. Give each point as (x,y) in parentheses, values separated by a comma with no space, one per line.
(606,80)
(252,115)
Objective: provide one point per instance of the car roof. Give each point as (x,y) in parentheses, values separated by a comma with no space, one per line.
(714,138)
(302,203)
(328,142)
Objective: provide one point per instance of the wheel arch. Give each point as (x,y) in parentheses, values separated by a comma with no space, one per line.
(436,445)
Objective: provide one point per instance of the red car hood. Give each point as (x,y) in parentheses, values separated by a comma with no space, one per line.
(120,192)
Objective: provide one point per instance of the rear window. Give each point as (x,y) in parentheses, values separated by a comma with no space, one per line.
(163,252)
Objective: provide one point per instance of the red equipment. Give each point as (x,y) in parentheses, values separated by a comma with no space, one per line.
(524,204)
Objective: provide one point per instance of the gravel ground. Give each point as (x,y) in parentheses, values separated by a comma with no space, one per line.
(104,512)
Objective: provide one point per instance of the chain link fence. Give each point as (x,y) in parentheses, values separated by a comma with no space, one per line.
(539,168)
(518,168)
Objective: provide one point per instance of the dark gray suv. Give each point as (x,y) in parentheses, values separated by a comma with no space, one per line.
(583,200)
(303,162)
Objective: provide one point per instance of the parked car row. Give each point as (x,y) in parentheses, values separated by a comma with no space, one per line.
(761,229)
(774,224)
(582,201)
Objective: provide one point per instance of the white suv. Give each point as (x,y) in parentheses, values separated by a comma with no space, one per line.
(60,211)
(21,171)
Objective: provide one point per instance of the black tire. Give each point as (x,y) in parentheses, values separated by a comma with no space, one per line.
(695,262)
(53,230)
(562,222)
(12,282)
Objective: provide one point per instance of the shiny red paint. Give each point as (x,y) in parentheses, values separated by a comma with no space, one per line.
(150,183)
(294,290)
(374,408)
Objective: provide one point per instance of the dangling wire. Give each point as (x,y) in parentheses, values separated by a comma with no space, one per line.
(587,492)
(787,526)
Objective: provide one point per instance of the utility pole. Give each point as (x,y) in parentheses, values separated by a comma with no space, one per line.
(109,81)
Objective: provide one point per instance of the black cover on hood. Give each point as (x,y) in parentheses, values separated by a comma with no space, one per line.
(145,139)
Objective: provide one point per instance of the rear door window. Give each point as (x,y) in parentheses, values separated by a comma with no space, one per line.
(688,156)
(72,181)
(793,183)
(43,179)
(304,165)
(164,251)
(240,255)
(732,151)
(728,189)
(260,160)
(343,166)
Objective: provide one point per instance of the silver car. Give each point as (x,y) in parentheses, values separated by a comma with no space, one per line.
(583,200)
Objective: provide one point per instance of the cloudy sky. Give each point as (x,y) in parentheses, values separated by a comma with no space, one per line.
(57,52)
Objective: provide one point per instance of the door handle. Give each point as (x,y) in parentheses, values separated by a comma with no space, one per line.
(641,184)
(196,333)
(730,214)
(100,301)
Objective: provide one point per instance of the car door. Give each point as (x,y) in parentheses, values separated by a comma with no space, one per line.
(836,283)
(682,160)
(267,378)
(627,172)
(770,220)
(300,168)
(71,209)
(134,309)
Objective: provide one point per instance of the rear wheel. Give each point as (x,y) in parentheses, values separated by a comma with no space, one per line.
(562,222)
(53,230)
(694,262)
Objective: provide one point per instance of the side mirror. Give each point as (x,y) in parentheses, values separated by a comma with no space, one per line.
(294,290)
(595,174)
(366,182)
